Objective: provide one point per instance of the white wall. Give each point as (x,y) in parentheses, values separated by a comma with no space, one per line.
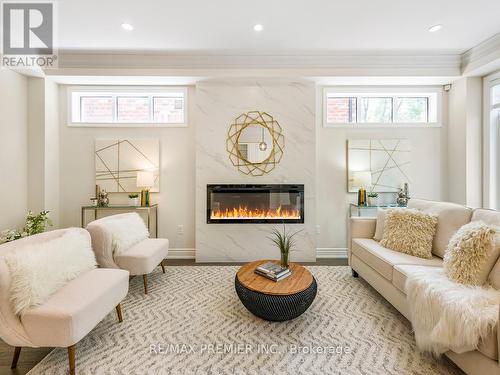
(292,104)
(465,142)
(43,147)
(13,148)
(213,110)
(428,160)
(51,151)
(36,144)
(177,186)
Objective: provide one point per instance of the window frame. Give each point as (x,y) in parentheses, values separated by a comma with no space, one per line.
(490,142)
(434,104)
(124,91)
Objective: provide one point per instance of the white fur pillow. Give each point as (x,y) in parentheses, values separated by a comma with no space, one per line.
(470,254)
(40,269)
(409,231)
(126,231)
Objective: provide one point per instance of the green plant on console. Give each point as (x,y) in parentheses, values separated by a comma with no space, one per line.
(134,195)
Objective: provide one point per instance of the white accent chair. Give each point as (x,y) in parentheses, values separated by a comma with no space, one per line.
(140,259)
(69,314)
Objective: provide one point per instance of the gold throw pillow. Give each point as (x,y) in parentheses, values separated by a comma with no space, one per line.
(409,231)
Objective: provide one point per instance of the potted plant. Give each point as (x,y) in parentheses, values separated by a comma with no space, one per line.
(285,242)
(34,224)
(133,199)
(372,198)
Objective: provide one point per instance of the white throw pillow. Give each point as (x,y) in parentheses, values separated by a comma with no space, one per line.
(126,231)
(40,269)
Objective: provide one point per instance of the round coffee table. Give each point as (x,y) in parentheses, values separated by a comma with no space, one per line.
(275,301)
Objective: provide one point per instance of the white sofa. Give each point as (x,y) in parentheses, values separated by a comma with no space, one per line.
(387,270)
(69,314)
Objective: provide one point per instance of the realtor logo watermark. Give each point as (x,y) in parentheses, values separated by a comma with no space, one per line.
(28,31)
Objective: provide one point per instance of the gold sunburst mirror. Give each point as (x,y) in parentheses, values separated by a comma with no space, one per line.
(255,143)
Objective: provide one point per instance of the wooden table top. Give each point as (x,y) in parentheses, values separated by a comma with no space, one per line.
(299,280)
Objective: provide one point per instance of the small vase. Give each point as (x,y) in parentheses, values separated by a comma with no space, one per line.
(284,260)
(134,202)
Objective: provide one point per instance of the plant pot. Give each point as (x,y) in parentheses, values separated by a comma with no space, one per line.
(284,260)
(372,201)
(133,202)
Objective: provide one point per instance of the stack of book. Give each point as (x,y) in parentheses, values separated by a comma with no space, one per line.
(273,271)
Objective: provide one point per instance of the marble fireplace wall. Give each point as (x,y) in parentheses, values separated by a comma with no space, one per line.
(292,104)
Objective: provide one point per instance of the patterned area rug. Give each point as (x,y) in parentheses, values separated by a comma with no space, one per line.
(192,322)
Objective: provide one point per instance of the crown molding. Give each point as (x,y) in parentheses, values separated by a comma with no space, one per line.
(483,58)
(229,65)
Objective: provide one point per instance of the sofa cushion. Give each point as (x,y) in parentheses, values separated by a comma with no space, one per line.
(379,229)
(488,347)
(142,258)
(383,260)
(400,274)
(451,217)
(69,314)
(491,217)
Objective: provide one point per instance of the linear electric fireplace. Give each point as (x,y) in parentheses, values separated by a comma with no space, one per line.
(255,204)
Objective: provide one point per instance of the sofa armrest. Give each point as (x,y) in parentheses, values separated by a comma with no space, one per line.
(102,244)
(360,227)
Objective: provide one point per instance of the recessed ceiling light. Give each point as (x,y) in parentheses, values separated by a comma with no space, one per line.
(258,27)
(435,28)
(127,26)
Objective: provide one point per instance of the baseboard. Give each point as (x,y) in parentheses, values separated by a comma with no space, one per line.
(322,252)
(181,253)
(331,252)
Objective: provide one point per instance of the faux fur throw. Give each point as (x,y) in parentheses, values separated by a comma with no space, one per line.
(126,231)
(447,315)
(40,269)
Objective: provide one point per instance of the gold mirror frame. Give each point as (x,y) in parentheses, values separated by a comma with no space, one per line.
(265,120)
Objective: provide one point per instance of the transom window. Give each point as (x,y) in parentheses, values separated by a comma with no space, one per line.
(127,107)
(372,108)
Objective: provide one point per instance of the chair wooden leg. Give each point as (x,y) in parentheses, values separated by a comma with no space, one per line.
(145,278)
(119,312)
(71,358)
(17,351)
(162,266)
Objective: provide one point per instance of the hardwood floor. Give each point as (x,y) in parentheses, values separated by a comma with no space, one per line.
(27,360)
(31,356)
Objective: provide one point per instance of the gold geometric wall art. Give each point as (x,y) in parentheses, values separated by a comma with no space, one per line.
(388,160)
(255,143)
(117,162)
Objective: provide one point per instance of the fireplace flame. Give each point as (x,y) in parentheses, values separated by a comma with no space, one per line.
(243,212)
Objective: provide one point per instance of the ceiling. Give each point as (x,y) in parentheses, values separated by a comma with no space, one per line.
(299,26)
